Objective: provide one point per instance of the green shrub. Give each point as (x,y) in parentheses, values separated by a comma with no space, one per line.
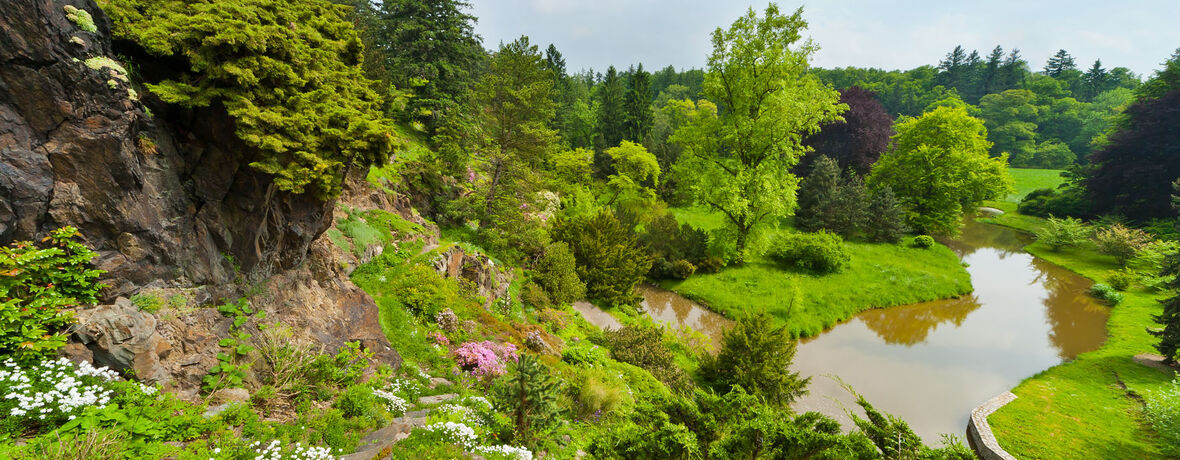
(584,354)
(821,252)
(598,395)
(358,401)
(1121,280)
(556,273)
(644,346)
(533,294)
(1162,409)
(923,241)
(36,283)
(555,319)
(609,258)
(529,396)
(682,269)
(711,264)
(1062,233)
(756,356)
(1106,294)
(147,302)
(1121,242)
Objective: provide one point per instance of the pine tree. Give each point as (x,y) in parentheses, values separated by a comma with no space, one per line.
(1014,69)
(611,112)
(529,396)
(953,68)
(886,221)
(817,192)
(1170,318)
(1094,81)
(992,83)
(1059,63)
(637,117)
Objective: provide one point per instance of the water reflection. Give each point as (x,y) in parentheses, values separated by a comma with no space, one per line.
(932,363)
(675,310)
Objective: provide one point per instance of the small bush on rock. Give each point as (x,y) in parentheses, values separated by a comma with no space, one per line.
(821,252)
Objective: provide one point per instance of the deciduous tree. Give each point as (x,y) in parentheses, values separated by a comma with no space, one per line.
(737,160)
(857,141)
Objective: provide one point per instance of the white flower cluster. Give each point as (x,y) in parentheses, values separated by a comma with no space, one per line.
(394,403)
(457,433)
(469,416)
(148,390)
(464,436)
(508,451)
(404,387)
(482,401)
(65,395)
(275,451)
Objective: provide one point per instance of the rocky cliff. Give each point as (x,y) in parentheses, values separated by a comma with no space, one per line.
(166,198)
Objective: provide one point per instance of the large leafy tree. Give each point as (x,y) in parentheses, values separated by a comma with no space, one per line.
(513,138)
(857,141)
(737,160)
(1011,124)
(940,168)
(1133,173)
(430,49)
(289,73)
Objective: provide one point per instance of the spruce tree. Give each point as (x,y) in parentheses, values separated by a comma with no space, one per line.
(611,112)
(817,192)
(1169,336)
(1059,63)
(992,81)
(637,116)
(1094,81)
(886,217)
(529,396)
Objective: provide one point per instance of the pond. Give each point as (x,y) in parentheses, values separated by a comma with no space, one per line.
(932,363)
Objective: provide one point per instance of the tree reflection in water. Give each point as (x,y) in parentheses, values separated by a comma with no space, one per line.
(910,324)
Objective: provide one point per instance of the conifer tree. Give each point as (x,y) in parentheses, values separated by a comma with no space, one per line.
(611,112)
(1094,81)
(992,83)
(817,192)
(886,217)
(637,117)
(529,396)
(1059,64)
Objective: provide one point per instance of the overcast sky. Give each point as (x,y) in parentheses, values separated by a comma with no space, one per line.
(1138,34)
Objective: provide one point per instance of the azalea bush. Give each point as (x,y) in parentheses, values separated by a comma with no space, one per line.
(37,282)
(485,359)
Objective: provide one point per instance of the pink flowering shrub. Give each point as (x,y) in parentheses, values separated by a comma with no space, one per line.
(485,359)
(439,338)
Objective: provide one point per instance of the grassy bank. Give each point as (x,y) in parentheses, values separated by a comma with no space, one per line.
(1080,409)
(1027,180)
(879,275)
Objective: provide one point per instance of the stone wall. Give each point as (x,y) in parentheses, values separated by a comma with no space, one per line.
(979,432)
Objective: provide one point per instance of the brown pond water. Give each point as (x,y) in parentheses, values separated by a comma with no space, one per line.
(931,363)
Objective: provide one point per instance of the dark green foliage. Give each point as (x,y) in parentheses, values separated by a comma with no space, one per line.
(609,258)
(533,294)
(429,48)
(756,355)
(1068,201)
(289,73)
(1164,81)
(819,252)
(816,193)
(637,115)
(1106,294)
(612,113)
(529,396)
(1059,64)
(1169,334)
(895,440)
(358,401)
(886,217)
(556,273)
(923,241)
(644,346)
(36,283)
(1134,172)
(672,245)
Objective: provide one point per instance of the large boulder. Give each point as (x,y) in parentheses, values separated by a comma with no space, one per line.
(125,339)
(476,269)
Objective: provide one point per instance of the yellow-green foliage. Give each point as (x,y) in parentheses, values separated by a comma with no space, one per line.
(81,18)
(289,73)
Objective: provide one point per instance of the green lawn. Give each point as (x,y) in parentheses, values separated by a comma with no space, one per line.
(1078,409)
(1027,180)
(880,275)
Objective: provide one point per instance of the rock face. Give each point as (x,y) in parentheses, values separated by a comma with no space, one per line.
(167,199)
(164,198)
(476,269)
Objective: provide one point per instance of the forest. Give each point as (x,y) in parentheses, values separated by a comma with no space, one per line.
(506,224)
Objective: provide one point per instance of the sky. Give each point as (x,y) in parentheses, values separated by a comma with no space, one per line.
(887,34)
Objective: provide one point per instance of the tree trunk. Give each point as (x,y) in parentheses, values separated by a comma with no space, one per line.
(743,232)
(487,209)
